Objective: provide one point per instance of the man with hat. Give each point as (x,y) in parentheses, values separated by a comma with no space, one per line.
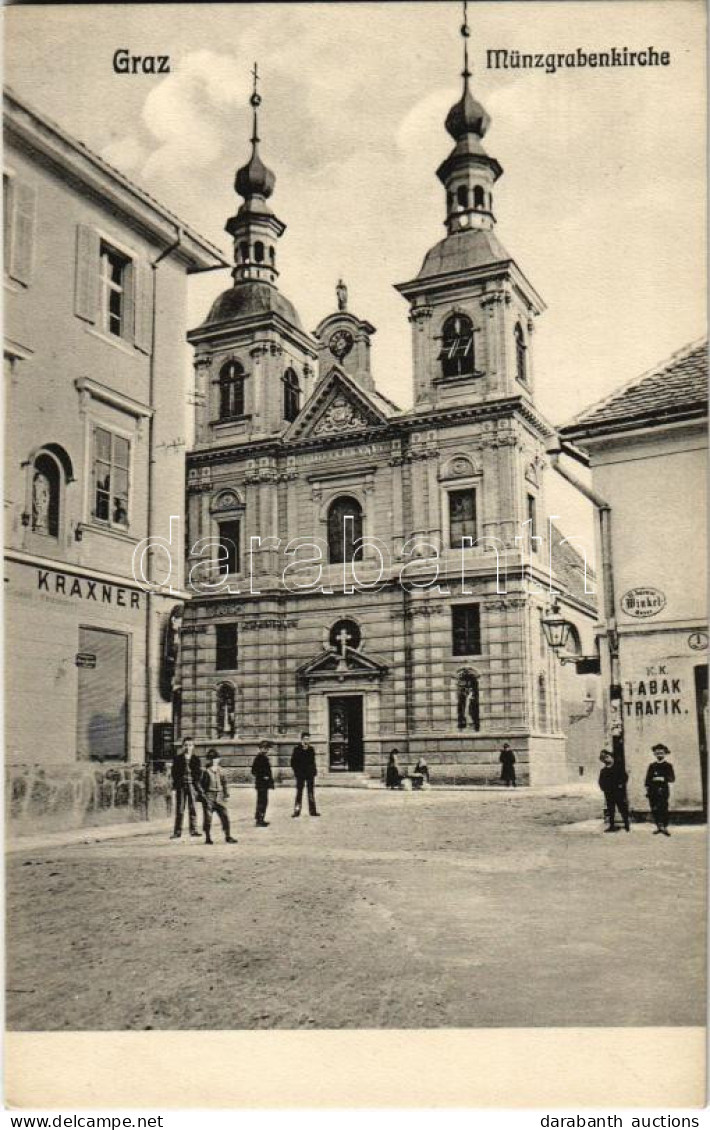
(507,766)
(659,778)
(214,795)
(612,782)
(263,780)
(184,789)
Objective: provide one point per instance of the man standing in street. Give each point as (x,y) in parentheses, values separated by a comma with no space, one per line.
(264,780)
(659,778)
(612,782)
(303,763)
(507,766)
(184,789)
(214,794)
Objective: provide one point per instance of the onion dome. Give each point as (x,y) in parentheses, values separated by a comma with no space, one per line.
(254,178)
(467,116)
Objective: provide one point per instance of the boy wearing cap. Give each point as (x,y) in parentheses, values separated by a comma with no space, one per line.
(612,782)
(263,780)
(659,778)
(214,794)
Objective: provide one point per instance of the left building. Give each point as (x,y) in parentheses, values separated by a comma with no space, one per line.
(96,426)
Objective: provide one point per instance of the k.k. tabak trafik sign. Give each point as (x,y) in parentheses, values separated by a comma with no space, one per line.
(643,602)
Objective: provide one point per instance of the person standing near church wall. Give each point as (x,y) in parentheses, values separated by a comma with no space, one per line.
(184,789)
(303,764)
(263,780)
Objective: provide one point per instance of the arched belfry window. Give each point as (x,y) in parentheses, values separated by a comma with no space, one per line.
(479,197)
(292,395)
(521,364)
(344,530)
(457,353)
(46,495)
(231,391)
(259,251)
(462,196)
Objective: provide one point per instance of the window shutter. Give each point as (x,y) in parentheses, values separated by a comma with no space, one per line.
(86,294)
(23,239)
(143,314)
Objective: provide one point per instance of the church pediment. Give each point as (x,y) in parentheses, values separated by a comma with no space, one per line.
(333,664)
(338,406)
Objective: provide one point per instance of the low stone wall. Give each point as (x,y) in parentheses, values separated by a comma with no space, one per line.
(53,798)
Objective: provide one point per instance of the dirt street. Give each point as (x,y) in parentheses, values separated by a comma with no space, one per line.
(401,910)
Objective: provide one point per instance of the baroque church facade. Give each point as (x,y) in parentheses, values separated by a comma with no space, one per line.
(373,575)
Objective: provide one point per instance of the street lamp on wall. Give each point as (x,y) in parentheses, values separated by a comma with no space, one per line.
(556,628)
(557,631)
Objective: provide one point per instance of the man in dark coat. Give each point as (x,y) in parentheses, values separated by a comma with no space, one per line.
(659,778)
(612,782)
(195,767)
(303,764)
(264,780)
(214,794)
(184,789)
(507,766)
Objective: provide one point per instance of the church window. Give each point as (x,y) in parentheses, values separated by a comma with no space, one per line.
(227,639)
(462,196)
(456,354)
(479,197)
(532,520)
(111,472)
(520,354)
(259,251)
(462,517)
(292,395)
(272,255)
(466,629)
(231,391)
(46,488)
(226,725)
(228,553)
(344,633)
(244,250)
(344,530)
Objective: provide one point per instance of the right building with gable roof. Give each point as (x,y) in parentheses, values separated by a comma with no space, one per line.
(646,446)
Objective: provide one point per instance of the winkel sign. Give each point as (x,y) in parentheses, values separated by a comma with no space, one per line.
(643,602)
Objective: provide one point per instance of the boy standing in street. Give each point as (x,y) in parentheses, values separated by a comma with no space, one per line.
(303,764)
(214,795)
(263,780)
(612,783)
(659,778)
(184,790)
(507,766)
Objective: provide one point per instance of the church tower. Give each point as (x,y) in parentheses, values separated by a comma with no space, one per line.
(471,307)
(254,364)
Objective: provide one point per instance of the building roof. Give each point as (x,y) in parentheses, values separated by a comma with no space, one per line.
(676,389)
(463,251)
(569,566)
(55,145)
(250,298)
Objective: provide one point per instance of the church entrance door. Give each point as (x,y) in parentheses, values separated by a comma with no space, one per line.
(345,733)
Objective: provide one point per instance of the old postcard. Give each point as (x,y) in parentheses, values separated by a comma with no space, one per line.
(355,565)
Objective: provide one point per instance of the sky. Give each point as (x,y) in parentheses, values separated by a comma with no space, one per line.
(602,201)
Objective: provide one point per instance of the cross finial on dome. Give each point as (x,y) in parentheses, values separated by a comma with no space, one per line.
(255,101)
(465,32)
(254,179)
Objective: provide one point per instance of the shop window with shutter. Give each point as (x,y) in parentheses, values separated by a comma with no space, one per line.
(102,708)
(227,641)
(113,289)
(466,629)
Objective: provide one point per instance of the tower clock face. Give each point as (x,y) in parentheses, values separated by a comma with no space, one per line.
(341,343)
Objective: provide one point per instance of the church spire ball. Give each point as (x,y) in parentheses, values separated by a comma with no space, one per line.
(467,115)
(254,178)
